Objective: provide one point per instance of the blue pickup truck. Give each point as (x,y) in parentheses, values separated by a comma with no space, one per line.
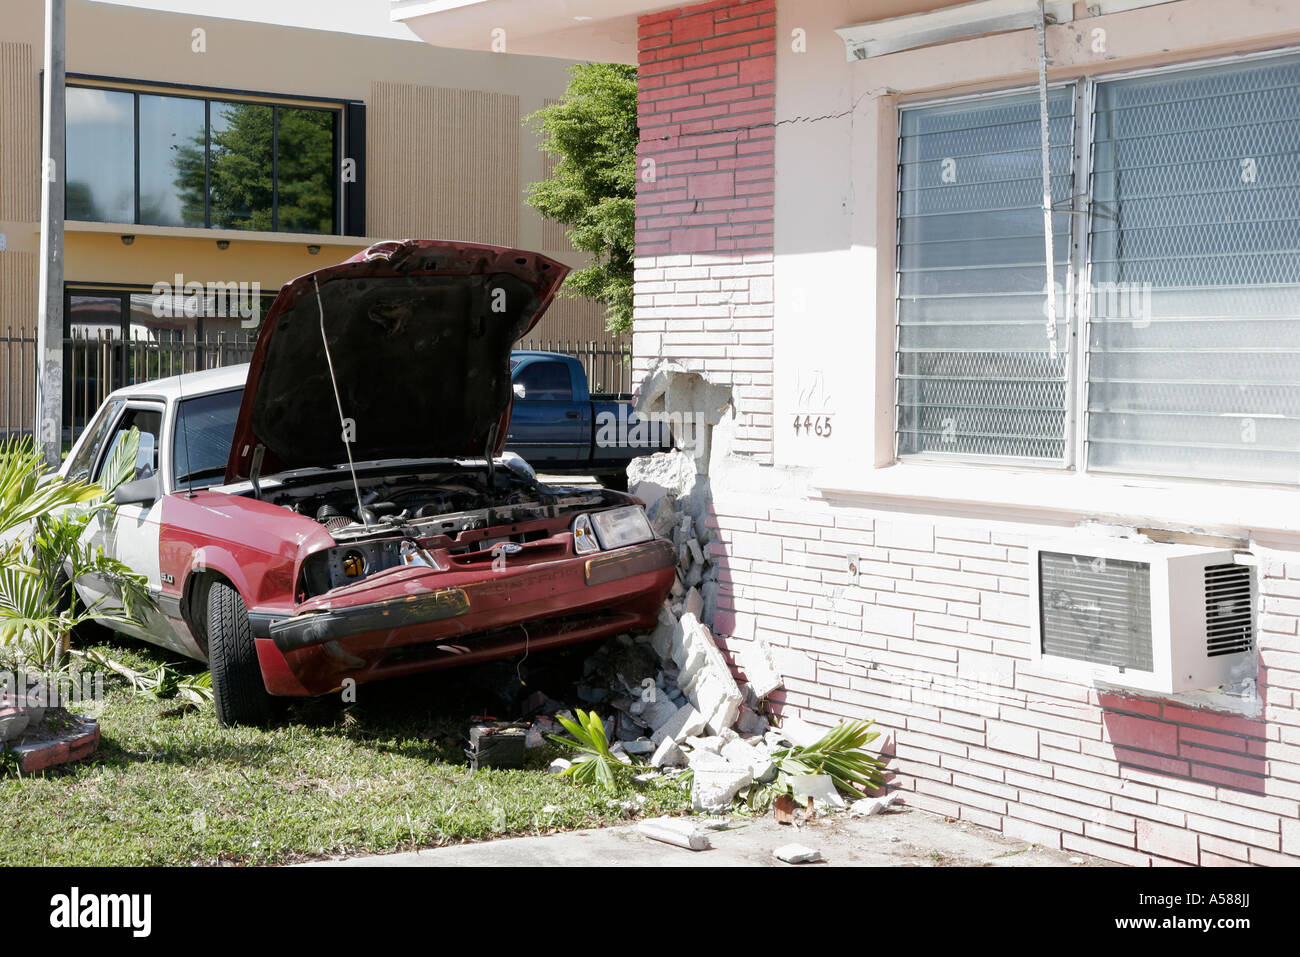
(560,427)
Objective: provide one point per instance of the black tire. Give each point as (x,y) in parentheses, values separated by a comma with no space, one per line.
(237,687)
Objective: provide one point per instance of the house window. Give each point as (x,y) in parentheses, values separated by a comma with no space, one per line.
(1182,277)
(167,160)
(974,375)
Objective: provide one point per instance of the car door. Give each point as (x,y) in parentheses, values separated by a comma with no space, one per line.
(131,532)
(547,426)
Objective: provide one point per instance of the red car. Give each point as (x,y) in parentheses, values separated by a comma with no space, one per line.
(340,510)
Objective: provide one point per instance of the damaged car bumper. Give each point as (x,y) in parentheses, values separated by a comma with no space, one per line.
(420,618)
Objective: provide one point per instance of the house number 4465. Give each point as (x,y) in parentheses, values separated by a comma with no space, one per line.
(808,425)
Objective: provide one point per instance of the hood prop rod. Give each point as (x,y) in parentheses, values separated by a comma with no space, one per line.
(343,424)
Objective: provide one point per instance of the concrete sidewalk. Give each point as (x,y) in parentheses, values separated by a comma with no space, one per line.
(902,837)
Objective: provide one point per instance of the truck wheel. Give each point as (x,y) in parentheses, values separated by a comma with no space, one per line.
(237,687)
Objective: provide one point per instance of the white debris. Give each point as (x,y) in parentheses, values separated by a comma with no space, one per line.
(797,854)
(756,758)
(820,787)
(558,766)
(710,745)
(868,807)
(659,711)
(760,668)
(715,786)
(750,722)
(680,831)
(685,723)
(667,755)
(705,678)
(693,603)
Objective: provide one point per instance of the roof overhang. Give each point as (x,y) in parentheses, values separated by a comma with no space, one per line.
(603,30)
(879,37)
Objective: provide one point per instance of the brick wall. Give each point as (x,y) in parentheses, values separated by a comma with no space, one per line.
(932,642)
(704,202)
(931,639)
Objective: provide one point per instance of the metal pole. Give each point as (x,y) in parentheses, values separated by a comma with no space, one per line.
(1045,145)
(49,333)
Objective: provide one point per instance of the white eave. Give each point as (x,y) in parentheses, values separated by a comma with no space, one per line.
(879,37)
(569,29)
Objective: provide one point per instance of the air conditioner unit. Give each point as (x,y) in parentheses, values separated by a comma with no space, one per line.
(1144,615)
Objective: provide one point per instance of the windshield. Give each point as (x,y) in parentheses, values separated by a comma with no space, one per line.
(205,427)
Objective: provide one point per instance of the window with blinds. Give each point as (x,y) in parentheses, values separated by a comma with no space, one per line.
(1194,336)
(1191,314)
(975,375)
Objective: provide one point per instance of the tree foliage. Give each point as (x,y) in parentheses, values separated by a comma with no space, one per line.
(592,133)
(240,180)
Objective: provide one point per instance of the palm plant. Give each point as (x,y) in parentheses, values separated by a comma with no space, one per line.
(838,753)
(43,523)
(594,763)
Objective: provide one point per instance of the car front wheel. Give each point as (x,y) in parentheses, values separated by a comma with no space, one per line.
(237,687)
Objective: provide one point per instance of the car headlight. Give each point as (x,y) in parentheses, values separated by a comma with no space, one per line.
(622,526)
(584,536)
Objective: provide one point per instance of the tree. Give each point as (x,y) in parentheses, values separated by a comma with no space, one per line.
(592,188)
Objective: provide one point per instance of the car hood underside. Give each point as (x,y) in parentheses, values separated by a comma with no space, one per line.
(419,335)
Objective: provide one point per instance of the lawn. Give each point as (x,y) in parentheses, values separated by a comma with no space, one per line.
(169,786)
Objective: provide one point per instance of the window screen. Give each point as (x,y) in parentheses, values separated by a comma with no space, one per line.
(975,375)
(1194,337)
(1096,610)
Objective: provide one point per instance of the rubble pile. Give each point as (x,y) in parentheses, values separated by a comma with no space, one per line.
(674,700)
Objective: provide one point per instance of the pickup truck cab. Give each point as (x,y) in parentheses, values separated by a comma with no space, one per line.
(559,426)
(342,509)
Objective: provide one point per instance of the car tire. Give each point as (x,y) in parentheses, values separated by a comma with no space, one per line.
(237,688)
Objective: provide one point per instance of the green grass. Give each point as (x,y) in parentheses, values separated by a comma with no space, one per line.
(327,779)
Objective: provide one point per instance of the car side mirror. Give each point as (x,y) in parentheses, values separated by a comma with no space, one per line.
(520,391)
(143,491)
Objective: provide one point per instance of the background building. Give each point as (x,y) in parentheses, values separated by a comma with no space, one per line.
(227,152)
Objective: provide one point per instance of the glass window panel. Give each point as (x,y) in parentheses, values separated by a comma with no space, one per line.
(100,150)
(1195,334)
(205,428)
(241,175)
(975,375)
(545,381)
(306,171)
(172,168)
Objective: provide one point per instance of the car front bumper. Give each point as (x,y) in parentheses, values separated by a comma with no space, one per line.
(421,619)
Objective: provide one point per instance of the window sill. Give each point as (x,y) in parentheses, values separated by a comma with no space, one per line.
(1019,494)
(234,235)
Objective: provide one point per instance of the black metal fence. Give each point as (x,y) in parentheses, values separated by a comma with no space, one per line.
(96,364)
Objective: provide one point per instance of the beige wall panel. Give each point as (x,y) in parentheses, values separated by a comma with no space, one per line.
(20,133)
(572,320)
(442,163)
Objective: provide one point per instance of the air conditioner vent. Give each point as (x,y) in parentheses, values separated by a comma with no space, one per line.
(1163,617)
(1229,625)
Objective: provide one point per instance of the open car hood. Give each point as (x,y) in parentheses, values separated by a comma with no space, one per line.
(419,334)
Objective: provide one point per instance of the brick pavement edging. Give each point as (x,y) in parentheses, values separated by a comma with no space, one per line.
(79,740)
